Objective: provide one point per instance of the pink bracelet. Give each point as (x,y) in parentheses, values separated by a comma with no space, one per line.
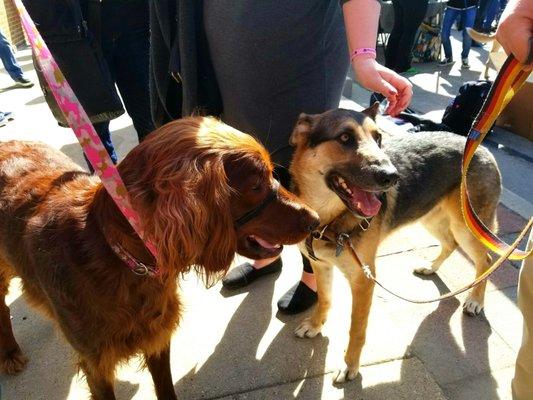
(363,51)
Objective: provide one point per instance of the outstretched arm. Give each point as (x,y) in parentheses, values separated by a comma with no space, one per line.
(361,18)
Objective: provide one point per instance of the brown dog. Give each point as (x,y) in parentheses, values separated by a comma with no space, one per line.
(366,192)
(203,191)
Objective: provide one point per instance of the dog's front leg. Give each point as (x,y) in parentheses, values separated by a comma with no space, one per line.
(362,291)
(312,325)
(100,381)
(159,367)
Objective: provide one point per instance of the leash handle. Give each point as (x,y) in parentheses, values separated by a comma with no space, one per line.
(510,79)
(368,273)
(81,124)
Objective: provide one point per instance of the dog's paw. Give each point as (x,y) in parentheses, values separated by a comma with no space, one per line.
(423,271)
(12,362)
(472,307)
(348,374)
(307,329)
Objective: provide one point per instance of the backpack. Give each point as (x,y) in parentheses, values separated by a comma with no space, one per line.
(427,44)
(461,112)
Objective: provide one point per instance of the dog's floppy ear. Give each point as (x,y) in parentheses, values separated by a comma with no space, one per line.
(301,129)
(192,218)
(179,187)
(372,111)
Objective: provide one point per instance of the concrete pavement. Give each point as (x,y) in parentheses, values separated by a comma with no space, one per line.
(234,345)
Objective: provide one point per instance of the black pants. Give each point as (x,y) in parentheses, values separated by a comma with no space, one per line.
(408,15)
(125,40)
(481,13)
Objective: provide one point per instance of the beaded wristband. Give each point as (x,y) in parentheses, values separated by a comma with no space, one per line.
(363,51)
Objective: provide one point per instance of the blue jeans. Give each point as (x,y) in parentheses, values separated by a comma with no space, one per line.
(468,15)
(8,59)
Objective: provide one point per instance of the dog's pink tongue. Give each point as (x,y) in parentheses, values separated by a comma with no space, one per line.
(367,202)
(266,244)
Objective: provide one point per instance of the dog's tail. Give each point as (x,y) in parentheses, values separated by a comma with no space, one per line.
(481,37)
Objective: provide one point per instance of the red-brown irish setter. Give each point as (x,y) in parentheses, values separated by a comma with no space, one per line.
(203,192)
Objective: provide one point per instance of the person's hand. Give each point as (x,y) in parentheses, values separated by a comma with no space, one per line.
(515,31)
(377,78)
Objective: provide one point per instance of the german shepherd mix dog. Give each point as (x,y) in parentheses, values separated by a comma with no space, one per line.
(367,191)
(203,191)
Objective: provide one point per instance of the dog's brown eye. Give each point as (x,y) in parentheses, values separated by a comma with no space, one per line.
(257,187)
(345,137)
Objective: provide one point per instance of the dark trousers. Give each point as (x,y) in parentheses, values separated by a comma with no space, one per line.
(122,28)
(408,15)
(481,13)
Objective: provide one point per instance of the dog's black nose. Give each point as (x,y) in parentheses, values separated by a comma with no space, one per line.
(387,177)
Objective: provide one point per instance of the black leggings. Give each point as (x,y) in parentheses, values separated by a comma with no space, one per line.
(408,15)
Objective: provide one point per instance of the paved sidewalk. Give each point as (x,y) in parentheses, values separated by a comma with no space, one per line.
(235,345)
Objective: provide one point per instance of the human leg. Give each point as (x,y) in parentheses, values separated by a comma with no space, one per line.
(480,13)
(102,129)
(391,50)
(131,61)
(468,16)
(522,384)
(9,60)
(450,15)
(415,10)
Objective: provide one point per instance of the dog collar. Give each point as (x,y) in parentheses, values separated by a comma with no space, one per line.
(253,213)
(338,238)
(134,265)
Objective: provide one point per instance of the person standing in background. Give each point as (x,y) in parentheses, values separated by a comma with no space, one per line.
(99,45)
(10,63)
(466,9)
(408,15)
(258,65)
(515,34)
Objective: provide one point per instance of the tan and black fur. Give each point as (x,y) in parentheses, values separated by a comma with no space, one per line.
(417,177)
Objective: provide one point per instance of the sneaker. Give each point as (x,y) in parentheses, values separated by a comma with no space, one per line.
(24,82)
(464,63)
(5,117)
(411,71)
(445,62)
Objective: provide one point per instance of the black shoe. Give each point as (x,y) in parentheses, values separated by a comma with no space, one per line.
(445,62)
(24,82)
(297,299)
(245,274)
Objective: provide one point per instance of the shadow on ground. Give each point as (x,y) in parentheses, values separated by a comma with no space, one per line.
(52,362)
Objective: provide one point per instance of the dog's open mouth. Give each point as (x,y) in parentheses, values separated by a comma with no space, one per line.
(359,201)
(262,246)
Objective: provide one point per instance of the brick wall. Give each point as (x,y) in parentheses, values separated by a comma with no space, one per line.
(10,23)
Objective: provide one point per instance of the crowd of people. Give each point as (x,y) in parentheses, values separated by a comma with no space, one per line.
(256,65)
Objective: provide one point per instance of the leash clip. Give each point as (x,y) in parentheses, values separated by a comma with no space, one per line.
(364,226)
(140,269)
(319,234)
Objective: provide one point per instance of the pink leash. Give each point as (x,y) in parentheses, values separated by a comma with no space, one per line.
(81,125)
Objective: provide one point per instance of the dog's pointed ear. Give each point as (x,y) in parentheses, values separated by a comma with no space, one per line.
(372,111)
(301,129)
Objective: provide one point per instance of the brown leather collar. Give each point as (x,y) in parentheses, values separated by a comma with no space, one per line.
(328,234)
